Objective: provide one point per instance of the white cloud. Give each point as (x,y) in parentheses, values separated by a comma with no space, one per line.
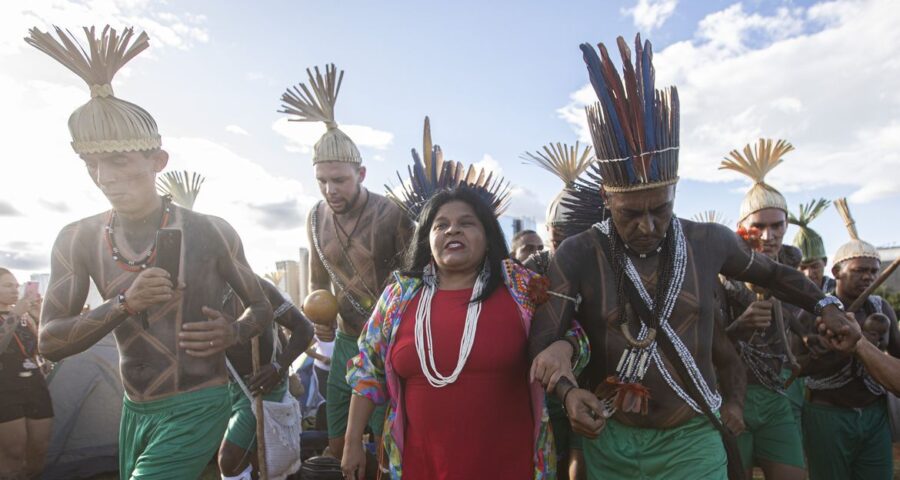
(489,164)
(649,15)
(166,29)
(237,130)
(825,78)
(302,136)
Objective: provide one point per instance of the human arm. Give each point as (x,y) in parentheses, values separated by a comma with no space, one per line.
(353,463)
(289,316)
(785,283)
(732,377)
(552,319)
(66,329)
(203,339)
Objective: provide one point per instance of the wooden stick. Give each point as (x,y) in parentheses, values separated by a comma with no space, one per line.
(260,416)
(877,283)
(778,313)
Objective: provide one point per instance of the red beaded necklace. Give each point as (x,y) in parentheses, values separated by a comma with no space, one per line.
(141,263)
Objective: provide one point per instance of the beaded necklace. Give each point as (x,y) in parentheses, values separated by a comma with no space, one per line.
(678,269)
(142,263)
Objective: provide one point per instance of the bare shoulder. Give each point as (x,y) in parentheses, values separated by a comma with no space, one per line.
(385,205)
(81,232)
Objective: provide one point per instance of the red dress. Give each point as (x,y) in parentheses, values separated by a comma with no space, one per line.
(480,426)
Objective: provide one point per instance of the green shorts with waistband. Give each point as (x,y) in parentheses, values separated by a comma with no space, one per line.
(338,392)
(175,437)
(772,432)
(242,425)
(848,443)
(691,451)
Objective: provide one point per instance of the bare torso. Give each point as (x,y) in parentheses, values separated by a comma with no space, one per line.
(151,362)
(378,234)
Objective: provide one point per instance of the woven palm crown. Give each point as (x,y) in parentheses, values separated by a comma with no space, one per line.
(567,163)
(633,126)
(105,123)
(315,103)
(808,240)
(756,162)
(431,174)
(855,248)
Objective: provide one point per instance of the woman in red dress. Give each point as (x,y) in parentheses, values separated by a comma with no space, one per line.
(447,349)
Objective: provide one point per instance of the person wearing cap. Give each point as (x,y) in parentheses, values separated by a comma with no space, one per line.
(772,437)
(643,282)
(811,244)
(846,421)
(171,338)
(357,237)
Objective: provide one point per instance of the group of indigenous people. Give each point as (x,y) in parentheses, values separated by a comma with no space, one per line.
(637,345)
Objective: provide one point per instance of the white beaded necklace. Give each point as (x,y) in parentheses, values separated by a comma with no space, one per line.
(710,396)
(423,330)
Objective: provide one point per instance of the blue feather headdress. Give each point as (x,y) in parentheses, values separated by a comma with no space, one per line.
(432,174)
(634,127)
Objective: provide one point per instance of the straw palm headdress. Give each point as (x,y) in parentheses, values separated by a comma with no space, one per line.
(756,162)
(105,123)
(315,103)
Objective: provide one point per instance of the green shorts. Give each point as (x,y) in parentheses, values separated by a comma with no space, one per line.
(691,451)
(772,432)
(175,437)
(848,443)
(338,392)
(242,425)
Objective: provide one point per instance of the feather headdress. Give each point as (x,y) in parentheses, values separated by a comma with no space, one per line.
(711,216)
(431,173)
(634,126)
(808,240)
(567,163)
(856,247)
(105,123)
(756,163)
(315,103)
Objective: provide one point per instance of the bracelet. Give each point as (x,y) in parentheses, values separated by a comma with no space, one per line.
(565,396)
(574,343)
(122,305)
(826,301)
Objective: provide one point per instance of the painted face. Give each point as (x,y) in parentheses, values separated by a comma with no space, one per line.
(771,223)
(340,184)
(815,271)
(528,245)
(127,179)
(855,275)
(457,238)
(642,217)
(9,289)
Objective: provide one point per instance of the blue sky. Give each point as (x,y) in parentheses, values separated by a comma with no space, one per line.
(496,78)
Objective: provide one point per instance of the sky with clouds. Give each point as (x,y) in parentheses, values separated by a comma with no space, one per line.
(496,78)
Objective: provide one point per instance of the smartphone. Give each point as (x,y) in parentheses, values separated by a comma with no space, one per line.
(32,290)
(168,252)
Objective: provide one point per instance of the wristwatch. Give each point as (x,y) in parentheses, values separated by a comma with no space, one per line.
(826,301)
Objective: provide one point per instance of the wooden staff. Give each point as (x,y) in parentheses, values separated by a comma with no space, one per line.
(877,283)
(260,416)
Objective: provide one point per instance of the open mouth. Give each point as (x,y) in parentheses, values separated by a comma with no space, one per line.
(454,245)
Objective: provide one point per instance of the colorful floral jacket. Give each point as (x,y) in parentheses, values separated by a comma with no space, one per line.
(372,377)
